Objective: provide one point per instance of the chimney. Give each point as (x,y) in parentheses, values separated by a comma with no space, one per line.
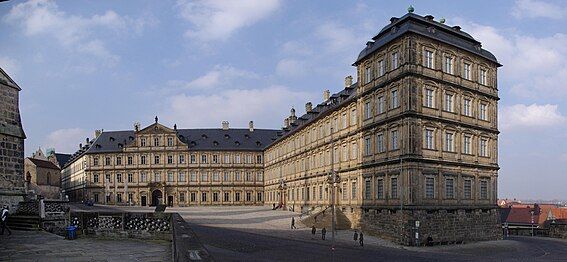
(326,95)
(369,43)
(224,125)
(348,81)
(87,140)
(457,28)
(429,17)
(292,112)
(394,19)
(251,126)
(308,107)
(97,133)
(80,146)
(286,123)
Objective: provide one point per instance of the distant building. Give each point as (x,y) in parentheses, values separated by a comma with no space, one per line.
(521,218)
(12,137)
(43,176)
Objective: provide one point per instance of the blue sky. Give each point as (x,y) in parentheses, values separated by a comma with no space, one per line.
(86,65)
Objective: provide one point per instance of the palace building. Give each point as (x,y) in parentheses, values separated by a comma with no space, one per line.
(411,147)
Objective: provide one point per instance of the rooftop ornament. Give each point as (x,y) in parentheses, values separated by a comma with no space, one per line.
(411,9)
(442,20)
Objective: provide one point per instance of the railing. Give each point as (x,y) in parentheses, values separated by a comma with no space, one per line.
(136,225)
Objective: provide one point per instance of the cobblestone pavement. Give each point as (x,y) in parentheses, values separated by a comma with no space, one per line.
(43,246)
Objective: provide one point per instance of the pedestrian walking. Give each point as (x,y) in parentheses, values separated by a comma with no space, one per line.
(293,223)
(323,232)
(313,231)
(361,239)
(355,237)
(4,217)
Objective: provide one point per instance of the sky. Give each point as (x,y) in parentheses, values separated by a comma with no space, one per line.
(87,65)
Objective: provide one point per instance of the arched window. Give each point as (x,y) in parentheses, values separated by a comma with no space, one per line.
(48,178)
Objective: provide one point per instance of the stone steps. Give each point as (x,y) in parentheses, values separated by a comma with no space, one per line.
(324,218)
(22,222)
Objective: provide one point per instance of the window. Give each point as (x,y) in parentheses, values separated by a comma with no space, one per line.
(237,159)
(170,159)
(193,197)
(130,197)
(119,197)
(448,65)
(143,160)
(259,176)
(353,191)
(428,59)
(449,142)
(466,144)
(395,145)
(449,188)
(367,75)
(156,159)
(259,196)
(429,187)
(429,139)
(119,178)
(379,188)
(96,197)
(367,146)
(429,96)
(169,176)
(215,159)
(395,100)
(394,187)
(227,158)
(170,141)
(380,143)
(118,160)
(193,176)
(344,190)
(467,107)
(482,76)
(259,159)
(367,109)
(216,176)
(248,196)
(449,102)
(107,161)
(143,177)
(157,177)
(381,68)
(237,176)
(182,177)
(182,159)
(193,159)
(354,150)
(483,147)
(344,120)
(203,159)
(483,189)
(181,197)
(367,189)
(143,141)
(226,197)
(467,71)
(320,192)
(482,111)
(467,194)
(215,197)
(237,196)
(130,178)
(395,60)
(381,105)
(95,178)
(226,176)
(204,176)
(156,141)
(129,160)
(203,196)
(95,161)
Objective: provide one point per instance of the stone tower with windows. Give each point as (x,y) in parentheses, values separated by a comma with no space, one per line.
(11,143)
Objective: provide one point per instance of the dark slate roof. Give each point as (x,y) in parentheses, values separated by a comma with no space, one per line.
(62,158)
(321,110)
(43,163)
(196,139)
(420,25)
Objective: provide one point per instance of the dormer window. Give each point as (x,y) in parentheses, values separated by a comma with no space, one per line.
(258,143)
(156,141)
(143,141)
(204,136)
(111,139)
(130,138)
(215,143)
(226,136)
(237,143)
(247,136)
(193,143)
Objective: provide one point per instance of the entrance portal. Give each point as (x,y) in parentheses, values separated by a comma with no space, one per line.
(156,197)
(170,201)
(144,201)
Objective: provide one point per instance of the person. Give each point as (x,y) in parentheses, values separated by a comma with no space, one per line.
(273,206)
(323,232)
(355,237)
(361,239)
(4,218)
(293,223)
(313,230)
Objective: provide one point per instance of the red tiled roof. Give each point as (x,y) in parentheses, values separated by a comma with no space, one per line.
(520,215)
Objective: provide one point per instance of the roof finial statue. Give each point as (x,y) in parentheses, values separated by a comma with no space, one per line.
(174,126)
(156,119)
(442,20)
(411,9)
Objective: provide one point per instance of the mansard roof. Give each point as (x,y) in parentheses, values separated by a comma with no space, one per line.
(62,158)
(425,26)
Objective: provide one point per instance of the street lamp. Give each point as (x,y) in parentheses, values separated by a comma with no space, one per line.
(532,213)
(333,179)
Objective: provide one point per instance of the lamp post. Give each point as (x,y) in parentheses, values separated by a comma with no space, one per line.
(532,213)
(333,179)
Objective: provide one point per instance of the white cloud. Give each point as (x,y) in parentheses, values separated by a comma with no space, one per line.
(218,19)
(520,116)
(43,18)
(238,106)
(10,66)
(291,67)
(337,37)
(536,67)
(66,140)
(535,9)
(219,76)
(295,47)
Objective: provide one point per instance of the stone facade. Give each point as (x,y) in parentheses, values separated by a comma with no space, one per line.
(43,176)
(12,138)
(415,139)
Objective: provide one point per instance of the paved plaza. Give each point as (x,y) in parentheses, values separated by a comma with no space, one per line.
(246,233)
(43,246)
